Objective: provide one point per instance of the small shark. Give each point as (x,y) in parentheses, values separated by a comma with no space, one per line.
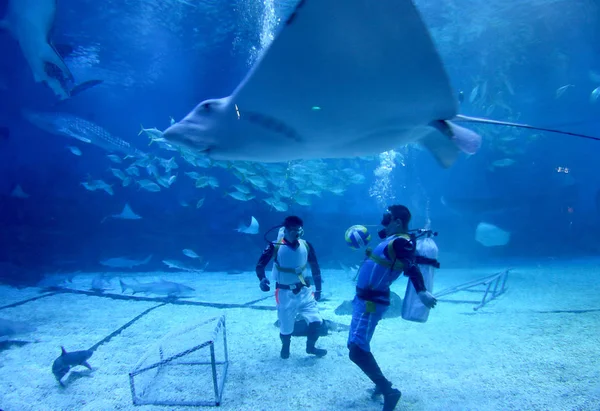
(123,262)
(68,360)
(30,22)
(178,265)
(169,288)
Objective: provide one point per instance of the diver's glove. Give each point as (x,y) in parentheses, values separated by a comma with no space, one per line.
(264,284)
(317,295)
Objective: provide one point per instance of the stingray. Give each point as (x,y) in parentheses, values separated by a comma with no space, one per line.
(336,82)
(19,193)
(251,229)
(126,214)
(490,235)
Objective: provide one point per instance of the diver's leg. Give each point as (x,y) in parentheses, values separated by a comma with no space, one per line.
(367,363)
(362,328)
(286,313)
(286,339)
(309,309)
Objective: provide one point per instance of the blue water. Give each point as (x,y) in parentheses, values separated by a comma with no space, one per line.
(161,58)
(158,59)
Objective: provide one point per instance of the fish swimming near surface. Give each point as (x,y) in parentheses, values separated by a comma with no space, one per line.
(336,82)
(67,360)
(161,287)
(30,22)
(68,125)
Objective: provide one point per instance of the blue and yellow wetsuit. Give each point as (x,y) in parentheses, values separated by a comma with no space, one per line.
(392,257)
(383,265)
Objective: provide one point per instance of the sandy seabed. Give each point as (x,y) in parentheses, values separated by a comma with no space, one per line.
(536,347)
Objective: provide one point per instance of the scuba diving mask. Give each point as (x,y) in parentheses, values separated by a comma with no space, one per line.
(299,231)
(385,221)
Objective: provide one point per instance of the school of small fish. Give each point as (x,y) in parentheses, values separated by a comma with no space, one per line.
(277,185)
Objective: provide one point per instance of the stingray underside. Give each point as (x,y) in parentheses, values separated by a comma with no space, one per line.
(338,81)
(353,80)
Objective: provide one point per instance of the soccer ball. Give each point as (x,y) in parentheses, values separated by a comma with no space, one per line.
(357,236)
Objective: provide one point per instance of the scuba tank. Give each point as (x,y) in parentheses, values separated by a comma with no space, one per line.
(412,307)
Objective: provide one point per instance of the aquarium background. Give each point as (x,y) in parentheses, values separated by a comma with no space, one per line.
(159,59)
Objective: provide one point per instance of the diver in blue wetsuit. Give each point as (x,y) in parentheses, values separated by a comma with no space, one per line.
(383,265)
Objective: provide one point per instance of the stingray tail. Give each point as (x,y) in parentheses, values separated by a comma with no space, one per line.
(479,120)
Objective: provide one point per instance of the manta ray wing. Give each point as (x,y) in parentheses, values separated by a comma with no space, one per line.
(336,82)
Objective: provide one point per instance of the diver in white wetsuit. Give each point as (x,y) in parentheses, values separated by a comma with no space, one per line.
(293,292)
